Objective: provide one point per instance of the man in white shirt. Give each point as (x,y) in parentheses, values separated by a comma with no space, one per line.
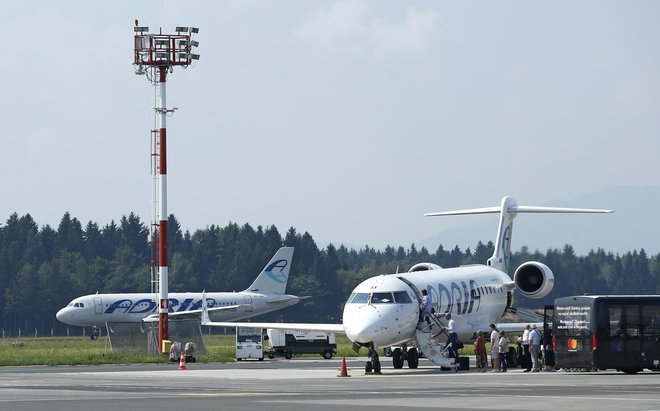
(535,348)
(527,359)
(494,350)
(452,337)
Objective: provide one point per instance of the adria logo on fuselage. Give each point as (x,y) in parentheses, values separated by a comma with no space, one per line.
(148,305)
(278,277)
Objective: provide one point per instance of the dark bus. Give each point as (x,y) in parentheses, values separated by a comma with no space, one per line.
(607,332)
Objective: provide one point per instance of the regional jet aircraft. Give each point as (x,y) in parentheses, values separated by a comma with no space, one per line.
(384,311)
(266,294)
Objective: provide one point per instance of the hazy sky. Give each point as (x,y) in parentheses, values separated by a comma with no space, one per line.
(347,119)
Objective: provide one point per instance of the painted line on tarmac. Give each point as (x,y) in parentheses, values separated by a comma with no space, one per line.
(231,394)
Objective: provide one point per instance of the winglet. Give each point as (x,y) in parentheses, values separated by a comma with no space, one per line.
(205,310)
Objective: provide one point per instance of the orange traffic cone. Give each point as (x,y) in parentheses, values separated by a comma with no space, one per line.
(182,361)
(344,372)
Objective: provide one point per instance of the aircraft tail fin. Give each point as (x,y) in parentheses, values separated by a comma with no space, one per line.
(508,210)
(274,277)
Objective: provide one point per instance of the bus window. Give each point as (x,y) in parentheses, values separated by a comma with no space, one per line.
(650,327)
(631,312)
(616,326)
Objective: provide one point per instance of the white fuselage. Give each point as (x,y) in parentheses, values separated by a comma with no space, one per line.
(384,310)
(97,309)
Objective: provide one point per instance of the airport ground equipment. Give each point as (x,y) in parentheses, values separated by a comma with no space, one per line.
(619,332)
(289,342)
(249,343)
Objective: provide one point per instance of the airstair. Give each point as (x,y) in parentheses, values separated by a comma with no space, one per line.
(428,344)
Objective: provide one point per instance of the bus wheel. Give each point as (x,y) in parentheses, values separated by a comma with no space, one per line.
(288,355)
(631,370)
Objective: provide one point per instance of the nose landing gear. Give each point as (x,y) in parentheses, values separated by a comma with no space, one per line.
(373,365)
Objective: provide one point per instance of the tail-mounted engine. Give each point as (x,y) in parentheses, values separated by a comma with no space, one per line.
(424,267)
(534,279)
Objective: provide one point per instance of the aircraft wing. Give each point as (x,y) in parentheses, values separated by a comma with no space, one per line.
(280,300)
(194,313)
(336,328)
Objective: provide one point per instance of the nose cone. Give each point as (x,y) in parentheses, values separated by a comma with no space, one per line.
(63,315)
(362,322)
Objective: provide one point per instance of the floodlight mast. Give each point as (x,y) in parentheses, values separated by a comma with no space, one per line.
(155,55)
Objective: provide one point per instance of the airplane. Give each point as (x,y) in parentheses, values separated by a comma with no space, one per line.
(266,294)
(384,311)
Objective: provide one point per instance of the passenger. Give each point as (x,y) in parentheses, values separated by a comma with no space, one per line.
(494,350)
(503,346)
(535,348)
(480,351)
(518,359)
(527,359)
(426,307)
(452,337)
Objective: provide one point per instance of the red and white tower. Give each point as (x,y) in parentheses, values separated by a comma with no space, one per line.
(155,56)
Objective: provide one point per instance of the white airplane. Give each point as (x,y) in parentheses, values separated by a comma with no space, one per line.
(384,311)
(266,294)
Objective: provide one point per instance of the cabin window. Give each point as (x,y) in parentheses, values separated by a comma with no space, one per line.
(360,298)
(382,298)
(402,297)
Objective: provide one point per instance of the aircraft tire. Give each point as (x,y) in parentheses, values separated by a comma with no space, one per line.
(397,361)
(413,358)
(368,367)
(288,355)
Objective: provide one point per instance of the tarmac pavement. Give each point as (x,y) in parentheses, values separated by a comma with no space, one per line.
(309,384)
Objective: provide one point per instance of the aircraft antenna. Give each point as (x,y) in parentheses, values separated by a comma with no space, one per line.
(156,55)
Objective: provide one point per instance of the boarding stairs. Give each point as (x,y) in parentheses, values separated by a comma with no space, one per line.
(431,348)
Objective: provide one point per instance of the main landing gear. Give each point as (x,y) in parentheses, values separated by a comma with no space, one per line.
(403,354)
(95,333)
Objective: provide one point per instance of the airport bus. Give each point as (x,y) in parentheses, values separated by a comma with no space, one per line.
(607,332)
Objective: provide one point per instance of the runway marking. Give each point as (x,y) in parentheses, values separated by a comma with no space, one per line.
(230,394)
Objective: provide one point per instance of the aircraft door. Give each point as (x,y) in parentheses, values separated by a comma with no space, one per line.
(414,288)
(248,304)
(98,305)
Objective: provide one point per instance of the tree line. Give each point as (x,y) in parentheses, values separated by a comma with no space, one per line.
(42,268)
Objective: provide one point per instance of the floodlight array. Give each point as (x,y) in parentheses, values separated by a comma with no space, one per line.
(164,50)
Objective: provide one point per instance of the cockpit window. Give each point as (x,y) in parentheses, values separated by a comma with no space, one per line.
(360,298)
(402,297)
(382,298)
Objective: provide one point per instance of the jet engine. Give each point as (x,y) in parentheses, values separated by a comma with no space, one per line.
(534,279)
(424,267)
